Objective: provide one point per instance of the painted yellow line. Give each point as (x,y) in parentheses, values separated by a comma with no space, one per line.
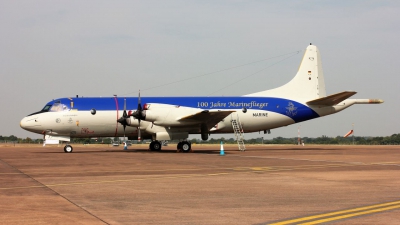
(237,169)
(24,187)
(12,174)
(287,168)
(337,213)
(385,164)
(116,181)
(351,215)
(31,172)
(241,168)
(217,174)
(317,165)
(258,168)
(277,169)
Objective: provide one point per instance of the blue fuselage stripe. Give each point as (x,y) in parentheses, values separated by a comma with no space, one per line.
(295,110)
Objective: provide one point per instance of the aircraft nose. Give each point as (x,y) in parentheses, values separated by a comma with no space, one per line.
(24,123)
(29,123)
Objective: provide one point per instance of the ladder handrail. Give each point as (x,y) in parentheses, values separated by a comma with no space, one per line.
(239,134)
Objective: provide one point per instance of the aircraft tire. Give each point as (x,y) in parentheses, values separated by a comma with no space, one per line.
(68,149)
(155,146)
(186,146)
(179,146)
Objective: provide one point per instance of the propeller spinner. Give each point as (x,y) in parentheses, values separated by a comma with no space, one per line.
(122,119)
(139,114)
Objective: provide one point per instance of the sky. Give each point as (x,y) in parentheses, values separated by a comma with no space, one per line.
(53,49)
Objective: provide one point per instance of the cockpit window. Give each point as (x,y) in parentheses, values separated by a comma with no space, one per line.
(46,108)
(58,107)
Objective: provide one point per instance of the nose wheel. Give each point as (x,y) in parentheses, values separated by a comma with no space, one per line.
(68,149)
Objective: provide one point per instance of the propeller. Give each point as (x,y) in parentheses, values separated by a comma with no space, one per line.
(122,119)
(139,114)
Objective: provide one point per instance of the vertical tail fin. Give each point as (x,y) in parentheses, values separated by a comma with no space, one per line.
(308,83)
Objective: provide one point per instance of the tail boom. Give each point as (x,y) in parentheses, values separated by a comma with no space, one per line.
(368,101)
(327,110)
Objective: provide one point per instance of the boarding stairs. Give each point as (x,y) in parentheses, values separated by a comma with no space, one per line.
(239,134)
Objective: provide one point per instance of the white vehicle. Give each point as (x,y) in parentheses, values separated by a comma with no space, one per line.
(174,118)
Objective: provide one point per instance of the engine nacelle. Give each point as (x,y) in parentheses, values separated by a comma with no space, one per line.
(156,111)
(168,115)
(132,122)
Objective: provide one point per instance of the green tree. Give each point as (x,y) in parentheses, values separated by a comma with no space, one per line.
(12,138)
(28,140)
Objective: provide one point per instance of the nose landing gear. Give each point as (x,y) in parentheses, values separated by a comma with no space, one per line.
(68,149)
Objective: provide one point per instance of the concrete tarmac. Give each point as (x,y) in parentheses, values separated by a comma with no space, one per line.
(267,184)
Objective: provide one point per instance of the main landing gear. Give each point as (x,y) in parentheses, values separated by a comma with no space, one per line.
(184,146)
(155,146)
(68,149)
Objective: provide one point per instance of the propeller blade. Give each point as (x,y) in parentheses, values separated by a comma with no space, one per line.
(139,109)
(124,114)
(124,132)
(139,135)
(139,114)
(139,103)
(122,119)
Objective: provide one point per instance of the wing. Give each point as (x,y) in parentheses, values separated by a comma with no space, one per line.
(210,118)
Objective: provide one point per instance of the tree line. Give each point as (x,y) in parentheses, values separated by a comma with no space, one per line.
(339,140)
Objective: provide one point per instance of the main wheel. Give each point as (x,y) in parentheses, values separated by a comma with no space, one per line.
(186,146)
(68,149)
(155,146)
(179,146)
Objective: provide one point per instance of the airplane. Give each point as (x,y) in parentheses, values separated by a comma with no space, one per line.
(174,118)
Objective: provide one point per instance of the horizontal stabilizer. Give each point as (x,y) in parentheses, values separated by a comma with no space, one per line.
(332,99)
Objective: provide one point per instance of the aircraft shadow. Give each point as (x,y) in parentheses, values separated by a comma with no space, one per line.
(136,151)
(297,149)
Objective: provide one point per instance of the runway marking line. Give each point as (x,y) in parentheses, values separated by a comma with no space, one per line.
(115,181)
(191,169)
(12,174)
(290,168)
(315,160)
(343,214)
(241,169)
(199,169)
(296,159)
(112,171)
